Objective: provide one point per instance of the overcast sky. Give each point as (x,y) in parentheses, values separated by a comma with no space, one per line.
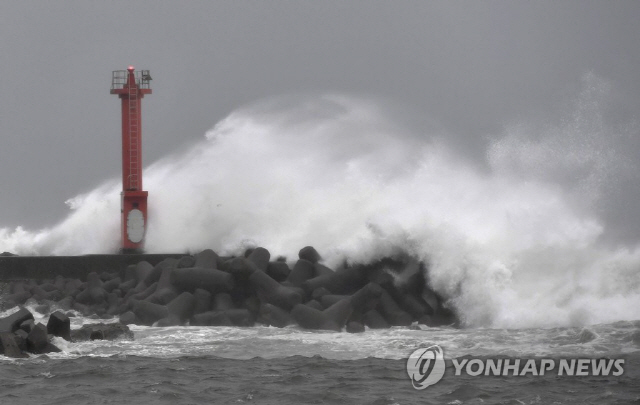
(472,66)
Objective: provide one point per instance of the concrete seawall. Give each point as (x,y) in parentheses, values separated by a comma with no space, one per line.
(48,267)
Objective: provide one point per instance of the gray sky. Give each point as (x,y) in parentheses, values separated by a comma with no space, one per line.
(471,66)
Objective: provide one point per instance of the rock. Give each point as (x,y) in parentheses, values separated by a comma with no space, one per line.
(171,320)
(18,298)
(270,291)
(223,302)
(315,304)
(12,322)
(38,339)
(112,284)
(309,253)
(214,281)
(142,271)
(260,257)
(127,285)
(94,293)
(21,339)
(241,268)
(59,325)
(240,317)
(355,327)
(27,325)
(328,300)
(65,304)
(186,261)
(307,317)
(146,293)
(343,281)
(202,301)
(392,311)
(128,318)
(181,307)
(165,291)
(207,259)
(96,334)
(211,318)
(374,320)
(154,275)
(414,305)
(274,316)
(339,312)
(318,293)
(130,273)
(321,270)
(278,271)
(148,313)
(302,271)
(109,331)
(9,345)
(366,298)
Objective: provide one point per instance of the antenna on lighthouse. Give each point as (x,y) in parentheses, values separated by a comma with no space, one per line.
(131,86)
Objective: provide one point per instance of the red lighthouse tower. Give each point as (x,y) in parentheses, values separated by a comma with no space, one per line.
(131,86)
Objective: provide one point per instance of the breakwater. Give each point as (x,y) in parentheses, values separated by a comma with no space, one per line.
(208,290)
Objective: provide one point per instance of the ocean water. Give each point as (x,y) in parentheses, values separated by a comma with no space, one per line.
(266,365)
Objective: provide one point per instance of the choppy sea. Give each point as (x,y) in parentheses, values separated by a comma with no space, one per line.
(266,365)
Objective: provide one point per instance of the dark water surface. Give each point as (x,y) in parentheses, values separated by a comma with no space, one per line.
(291,380)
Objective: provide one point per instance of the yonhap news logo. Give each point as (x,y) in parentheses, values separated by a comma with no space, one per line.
(426,366)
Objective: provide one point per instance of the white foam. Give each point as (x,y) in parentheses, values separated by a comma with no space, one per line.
(510,246)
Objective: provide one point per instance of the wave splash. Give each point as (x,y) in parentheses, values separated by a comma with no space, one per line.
(517,243)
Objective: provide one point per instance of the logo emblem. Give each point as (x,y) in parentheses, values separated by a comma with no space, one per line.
(426,366)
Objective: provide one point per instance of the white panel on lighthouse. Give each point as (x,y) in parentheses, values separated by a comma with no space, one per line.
(135,225)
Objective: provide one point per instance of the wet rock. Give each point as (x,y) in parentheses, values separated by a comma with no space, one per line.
(156,272)
(302,271)
(21,339)
(278,271)
(38,339)
(274,316)
(260,257)
(392,311)
(142,271)
(12,322)
(207,259)
(223,302)
(273,293)
(212,280)
(315,304)
(374,320)
(109,331)
(59,325)
(309,253)
(148,313)
(9,345)
(202,301)
(128,318)
(355,327)
(240,317)
(181,307)
(321,270)
(27,325)
(211,318)
(329,299)
(186,261)
(112,284)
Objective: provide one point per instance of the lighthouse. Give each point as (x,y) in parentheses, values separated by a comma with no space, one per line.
(131,86)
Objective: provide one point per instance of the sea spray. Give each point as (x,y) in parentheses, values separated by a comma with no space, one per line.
(507,246)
